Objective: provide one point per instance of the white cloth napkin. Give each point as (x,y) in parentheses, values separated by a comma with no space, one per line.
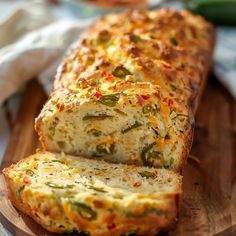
(34,37)
(34,41)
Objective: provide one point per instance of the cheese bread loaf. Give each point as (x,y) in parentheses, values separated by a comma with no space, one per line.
(128,92)
(64,194)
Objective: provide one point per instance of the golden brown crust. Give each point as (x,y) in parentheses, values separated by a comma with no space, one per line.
(165,38)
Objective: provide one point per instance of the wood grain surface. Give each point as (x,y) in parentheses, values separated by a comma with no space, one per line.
(209,200)
(23,139)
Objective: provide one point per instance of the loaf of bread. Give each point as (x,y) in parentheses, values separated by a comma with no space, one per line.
(128,92)
(64,194)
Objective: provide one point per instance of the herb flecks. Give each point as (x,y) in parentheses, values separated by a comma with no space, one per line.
(98,189)
(109,100)
(94,132)
(169,163)
(147,154)
(133,126)
(29,172)
(173,87)
(147,174)
(84,211)
(105,149)
(96,117)
(57,186)
(121,72)
(174,41)
(20,190)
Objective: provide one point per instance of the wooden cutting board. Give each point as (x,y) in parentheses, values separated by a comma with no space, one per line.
(209,200)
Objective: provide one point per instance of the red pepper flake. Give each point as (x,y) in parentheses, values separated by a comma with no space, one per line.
(179,69)
(98,204)
(157,95)
(166,66)
(97,95)
(155,45)
(26,180)
(108,77)
(103,73)
(154,173)
(145,97)
(111,226)
(191,73)
(34,209)
(170,102)
(60,106)
(136,184)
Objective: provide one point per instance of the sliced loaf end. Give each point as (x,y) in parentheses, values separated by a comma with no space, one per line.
(64,194)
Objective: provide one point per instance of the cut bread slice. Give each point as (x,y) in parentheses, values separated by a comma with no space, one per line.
(64,194)
(121,122)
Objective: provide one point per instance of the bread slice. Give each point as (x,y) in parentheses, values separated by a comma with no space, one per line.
(127,92)
(64,194)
